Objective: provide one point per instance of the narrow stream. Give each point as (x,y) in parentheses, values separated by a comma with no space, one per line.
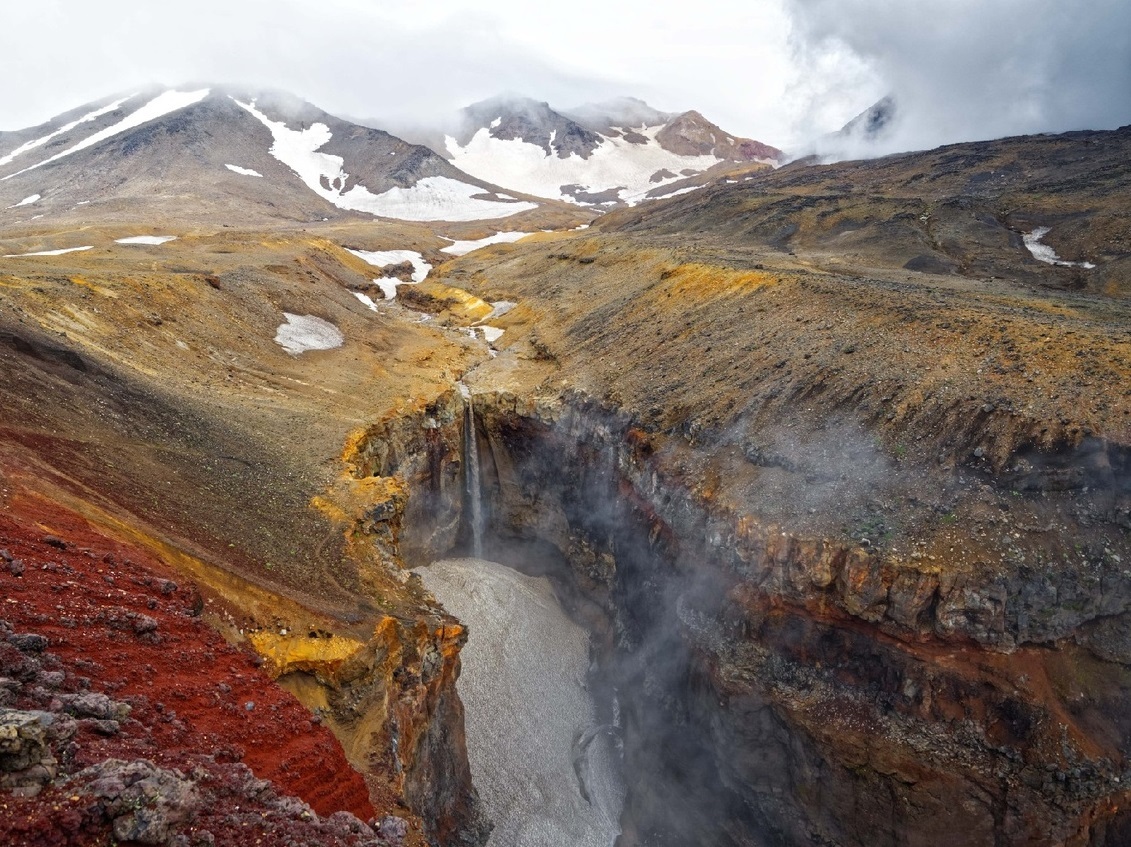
(546,772)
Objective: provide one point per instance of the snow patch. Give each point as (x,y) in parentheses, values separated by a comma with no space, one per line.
(459,248)
(440,198)
(388,286)
(236,169)
(27,201)
(306,332)
(50,252)
(384,258)
(39,142)
(492,333)
(146,239)
(366,299)
(675,193)
(500,308)
(434,198)
(1044,253)
(161,105)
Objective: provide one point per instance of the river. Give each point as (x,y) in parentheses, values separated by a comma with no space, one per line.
(545,771)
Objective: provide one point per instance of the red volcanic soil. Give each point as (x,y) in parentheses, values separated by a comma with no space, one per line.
(115,616)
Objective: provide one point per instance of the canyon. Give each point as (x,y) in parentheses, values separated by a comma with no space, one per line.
(829,465)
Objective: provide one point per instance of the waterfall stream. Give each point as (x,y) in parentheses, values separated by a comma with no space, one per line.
(472,483)
(546,771)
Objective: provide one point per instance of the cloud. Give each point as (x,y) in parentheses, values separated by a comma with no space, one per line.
(407,62)
(967,69)
(347,57)
(961,69)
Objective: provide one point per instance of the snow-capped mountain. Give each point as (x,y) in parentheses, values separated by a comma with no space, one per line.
(618,152)
(205,149)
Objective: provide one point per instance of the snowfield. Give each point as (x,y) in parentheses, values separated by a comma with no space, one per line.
(146,239)
(615,164)
(236,169)
(1044,253)
(50,252)
(434,198)
(306,332)
(27,201)
(459,248)
(161,105)
(384,258)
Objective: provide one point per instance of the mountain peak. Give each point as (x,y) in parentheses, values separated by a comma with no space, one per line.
(617,113)
(600,154)
(509,118)
(691,134)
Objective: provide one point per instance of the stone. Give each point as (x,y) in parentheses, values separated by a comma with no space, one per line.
(392,829)
(143,624)
(101,727)
(91,705)
(146,803)
(23,740)
(28,643)
(51,679)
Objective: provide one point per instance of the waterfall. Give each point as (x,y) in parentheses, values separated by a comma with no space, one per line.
(471,477)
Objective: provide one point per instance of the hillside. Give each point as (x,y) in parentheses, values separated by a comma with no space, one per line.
(830,461)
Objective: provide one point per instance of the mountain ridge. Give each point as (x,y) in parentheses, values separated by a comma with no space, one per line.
(601,155)
(208,143)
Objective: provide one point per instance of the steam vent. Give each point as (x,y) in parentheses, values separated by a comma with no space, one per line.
(640,489)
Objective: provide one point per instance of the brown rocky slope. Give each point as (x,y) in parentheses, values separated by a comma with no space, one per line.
(144,391)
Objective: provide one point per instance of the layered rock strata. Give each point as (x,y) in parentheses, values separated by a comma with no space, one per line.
(786,689)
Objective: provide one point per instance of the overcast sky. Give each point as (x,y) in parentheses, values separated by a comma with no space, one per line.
(781,71)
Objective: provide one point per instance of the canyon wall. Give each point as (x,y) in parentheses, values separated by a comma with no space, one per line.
(392,699)
(776,688)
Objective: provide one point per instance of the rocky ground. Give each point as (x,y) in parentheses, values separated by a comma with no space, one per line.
(125,717)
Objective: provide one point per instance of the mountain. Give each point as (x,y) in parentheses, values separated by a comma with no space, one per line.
(604,155)
(202,151)
(213,153)
(874,122)
(871,133)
